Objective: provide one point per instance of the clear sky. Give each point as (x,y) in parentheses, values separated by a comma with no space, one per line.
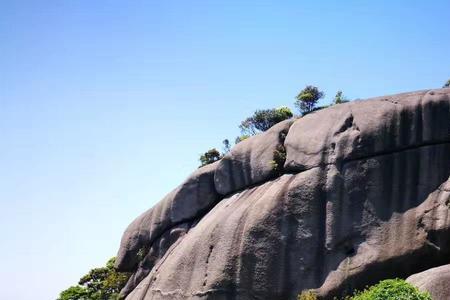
(105,106)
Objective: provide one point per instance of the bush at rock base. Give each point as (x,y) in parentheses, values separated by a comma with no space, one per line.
(391,289)
(307,295)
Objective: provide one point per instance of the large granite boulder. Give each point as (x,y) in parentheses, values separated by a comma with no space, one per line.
(436,281)
(364,196)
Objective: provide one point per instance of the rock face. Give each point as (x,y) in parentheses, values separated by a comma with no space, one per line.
(364,196)
(148,237)
(362,129)
(435,281)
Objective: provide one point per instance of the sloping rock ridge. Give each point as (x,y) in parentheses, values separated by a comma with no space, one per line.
(435,281)
(364,195)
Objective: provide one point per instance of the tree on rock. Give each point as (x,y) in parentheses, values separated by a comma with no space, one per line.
(261,120)
(308,98)
(339,98)
(226,146)
(241,138)
(74,293)
(99,284)
(447,84)
(210,156)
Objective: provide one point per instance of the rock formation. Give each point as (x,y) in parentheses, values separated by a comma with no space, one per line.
(364,195)
(435,281)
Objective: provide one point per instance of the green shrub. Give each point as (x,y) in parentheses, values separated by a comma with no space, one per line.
(308,98)
(262,120)
(279,157)
(307,295)
(142,252)
(340,98)
(99,284)
(391,289)
(210,156)
(447,84)
(241,138)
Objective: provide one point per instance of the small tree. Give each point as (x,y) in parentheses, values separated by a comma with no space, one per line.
(210,156)
(339,98)
(308,98)
(241,138)
(99,284)
(391,289)
(74,293)
(226,146)
(447,84)
(262,120)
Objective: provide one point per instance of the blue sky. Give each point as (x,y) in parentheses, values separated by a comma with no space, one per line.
(105,106)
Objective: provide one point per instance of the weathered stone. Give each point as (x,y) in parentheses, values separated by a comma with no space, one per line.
(363,128)
(318,229)
(190,200)
(435,281)
(367,199)
(250,161)
(149,257)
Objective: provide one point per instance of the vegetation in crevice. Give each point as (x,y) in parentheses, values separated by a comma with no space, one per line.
(260,121)
(279,154)
(142,252)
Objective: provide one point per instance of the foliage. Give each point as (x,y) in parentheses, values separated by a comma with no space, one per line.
(307,295)
(279,155)
(142,252)
(391,289)
(74,293)
(226,146)
(210,156)
(241,138)
(339,98)
(447,84)
(99,284)
(308,98)
(261,120)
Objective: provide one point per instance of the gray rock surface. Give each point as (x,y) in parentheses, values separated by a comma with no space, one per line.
(184,204)
(363,128)
(436,281)
(366,198)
